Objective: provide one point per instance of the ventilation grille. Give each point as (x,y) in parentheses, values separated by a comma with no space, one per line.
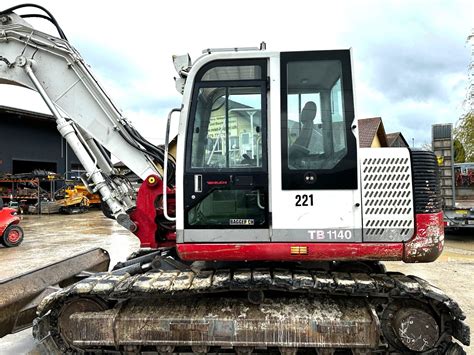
(426,182)
(387,198)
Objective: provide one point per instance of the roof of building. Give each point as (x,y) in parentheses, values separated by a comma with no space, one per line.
(368,129)
(25,113)
(392,137)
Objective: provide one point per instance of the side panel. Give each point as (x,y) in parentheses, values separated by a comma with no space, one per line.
(291,251)
(333,217)
(387,194)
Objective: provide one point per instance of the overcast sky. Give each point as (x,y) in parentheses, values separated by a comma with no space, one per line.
(410,57)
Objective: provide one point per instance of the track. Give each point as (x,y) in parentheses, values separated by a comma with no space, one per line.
(249,310)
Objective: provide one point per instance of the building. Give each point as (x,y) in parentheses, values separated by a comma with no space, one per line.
(372,133)
(30,141)
(396,140)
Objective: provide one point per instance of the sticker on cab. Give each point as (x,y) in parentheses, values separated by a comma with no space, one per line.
(241,221)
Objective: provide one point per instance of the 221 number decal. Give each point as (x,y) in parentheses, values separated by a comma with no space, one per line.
(304,200)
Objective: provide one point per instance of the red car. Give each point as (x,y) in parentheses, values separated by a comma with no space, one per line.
(11,234)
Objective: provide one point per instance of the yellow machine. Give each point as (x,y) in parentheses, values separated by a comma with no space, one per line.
(94,199)
(77,199)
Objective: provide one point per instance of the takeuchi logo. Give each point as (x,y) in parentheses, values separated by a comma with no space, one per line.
(220,182)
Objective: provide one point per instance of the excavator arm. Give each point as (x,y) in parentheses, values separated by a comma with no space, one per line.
(85,115)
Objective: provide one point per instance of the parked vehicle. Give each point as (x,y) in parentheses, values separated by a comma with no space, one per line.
(461,215)
(75,198)
(457,181)
(14,205)
(10,232)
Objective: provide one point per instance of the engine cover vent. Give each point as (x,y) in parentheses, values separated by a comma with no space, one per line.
(387,194)
(426,179)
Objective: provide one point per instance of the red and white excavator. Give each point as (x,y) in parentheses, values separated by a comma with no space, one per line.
(264,233)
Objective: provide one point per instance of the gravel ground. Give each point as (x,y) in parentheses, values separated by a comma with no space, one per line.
(52,238)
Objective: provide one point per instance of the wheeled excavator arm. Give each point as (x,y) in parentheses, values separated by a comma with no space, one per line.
(86,116)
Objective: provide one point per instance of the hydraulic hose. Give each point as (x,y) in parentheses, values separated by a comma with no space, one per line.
(50,17)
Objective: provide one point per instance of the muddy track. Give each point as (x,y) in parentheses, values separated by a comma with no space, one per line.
(387,295)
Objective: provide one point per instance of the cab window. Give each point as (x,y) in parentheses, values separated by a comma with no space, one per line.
(317,113)
(227,131)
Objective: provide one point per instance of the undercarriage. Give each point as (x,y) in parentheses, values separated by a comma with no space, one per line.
(209,309)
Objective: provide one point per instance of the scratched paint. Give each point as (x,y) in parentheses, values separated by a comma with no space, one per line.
(428,242)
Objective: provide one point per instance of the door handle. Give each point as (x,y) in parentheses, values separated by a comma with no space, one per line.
(198,183)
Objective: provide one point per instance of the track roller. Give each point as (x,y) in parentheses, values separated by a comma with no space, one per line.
(288,351)
(244,350)
(200,349)
(165,349)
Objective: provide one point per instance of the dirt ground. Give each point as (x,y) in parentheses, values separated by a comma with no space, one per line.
(52,238)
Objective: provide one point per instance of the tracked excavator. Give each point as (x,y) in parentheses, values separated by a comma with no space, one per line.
(265,233)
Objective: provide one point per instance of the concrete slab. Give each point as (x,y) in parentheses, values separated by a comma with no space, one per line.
(51,238)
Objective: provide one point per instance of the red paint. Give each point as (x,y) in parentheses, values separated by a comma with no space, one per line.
(282,251)
(7,218)
(425,246)
(217,182)
(428,242)
(148,210)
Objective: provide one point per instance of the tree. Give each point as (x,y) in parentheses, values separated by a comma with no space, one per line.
(459,153)
(464,132)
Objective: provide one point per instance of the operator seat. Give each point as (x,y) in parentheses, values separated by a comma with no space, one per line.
(300,147)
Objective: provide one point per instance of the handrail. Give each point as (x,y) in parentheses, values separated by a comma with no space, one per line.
(165,168)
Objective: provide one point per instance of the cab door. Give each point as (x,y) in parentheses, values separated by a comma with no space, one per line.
(315,185)
(226,170)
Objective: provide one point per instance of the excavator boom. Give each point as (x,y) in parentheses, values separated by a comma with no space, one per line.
(86,116)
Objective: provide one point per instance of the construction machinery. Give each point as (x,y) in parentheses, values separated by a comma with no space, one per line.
(11,234)
(75,198)
(265,233)
(94,199)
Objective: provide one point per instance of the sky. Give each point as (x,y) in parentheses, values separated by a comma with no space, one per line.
(410,58)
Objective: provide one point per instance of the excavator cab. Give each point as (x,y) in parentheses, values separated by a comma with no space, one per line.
(286,115)
(271,167)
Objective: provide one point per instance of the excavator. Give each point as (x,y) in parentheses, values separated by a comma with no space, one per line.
(265,232)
